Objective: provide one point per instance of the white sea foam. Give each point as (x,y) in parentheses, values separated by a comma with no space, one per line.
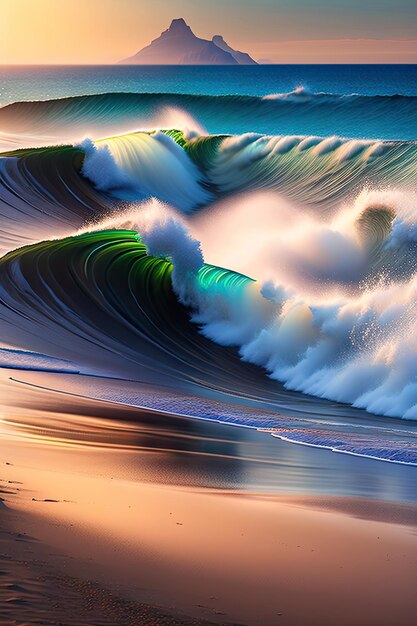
(101,168)
(300,94)
(168,238)
(356,346)
(142,165)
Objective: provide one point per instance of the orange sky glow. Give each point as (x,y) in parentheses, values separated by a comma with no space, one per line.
(105,31)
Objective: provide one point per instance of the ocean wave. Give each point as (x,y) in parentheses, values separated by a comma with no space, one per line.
(71,119)
(314,171)
(303,94)
(311,170)
(143,165)
(43,194)
(355,347)
(101,301)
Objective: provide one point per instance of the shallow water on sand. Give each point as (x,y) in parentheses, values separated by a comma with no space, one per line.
(155,446)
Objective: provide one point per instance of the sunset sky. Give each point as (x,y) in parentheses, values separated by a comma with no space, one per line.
(277,31)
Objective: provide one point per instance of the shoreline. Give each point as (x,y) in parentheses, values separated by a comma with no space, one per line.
(272,431)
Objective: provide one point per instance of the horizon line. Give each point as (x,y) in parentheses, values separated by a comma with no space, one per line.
(258,63)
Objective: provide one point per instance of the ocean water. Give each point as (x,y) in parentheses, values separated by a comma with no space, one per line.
(356,101)
(43,82)
(243,240)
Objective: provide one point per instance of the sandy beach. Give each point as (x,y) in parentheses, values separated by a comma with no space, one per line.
(110,533)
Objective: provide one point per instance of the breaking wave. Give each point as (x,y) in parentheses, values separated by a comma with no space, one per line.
(313,171)
(143,165)
(109,307)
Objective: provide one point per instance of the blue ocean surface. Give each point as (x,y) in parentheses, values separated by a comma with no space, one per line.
(45,82)
(353,101)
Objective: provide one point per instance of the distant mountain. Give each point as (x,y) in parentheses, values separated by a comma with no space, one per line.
(179,46)
(241,57)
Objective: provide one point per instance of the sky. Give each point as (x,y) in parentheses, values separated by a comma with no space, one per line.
(276,31)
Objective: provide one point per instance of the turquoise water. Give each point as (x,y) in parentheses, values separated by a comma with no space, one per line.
(41,83)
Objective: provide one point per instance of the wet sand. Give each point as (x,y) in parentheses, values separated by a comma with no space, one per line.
(169,523)
(35,589)
(225,558)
